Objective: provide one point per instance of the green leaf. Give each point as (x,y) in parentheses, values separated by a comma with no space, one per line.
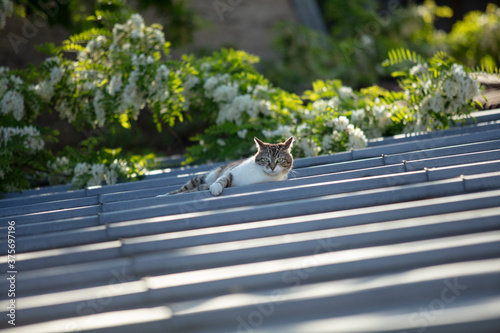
(124,121)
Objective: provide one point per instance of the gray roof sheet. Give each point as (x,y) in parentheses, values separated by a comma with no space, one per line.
(401,236)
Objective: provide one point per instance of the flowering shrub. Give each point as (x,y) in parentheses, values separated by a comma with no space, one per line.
(115,76)
(117,73)
(237,102)
(436,92)
(123,69)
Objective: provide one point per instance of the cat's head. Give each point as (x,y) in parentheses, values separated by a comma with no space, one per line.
(275,158)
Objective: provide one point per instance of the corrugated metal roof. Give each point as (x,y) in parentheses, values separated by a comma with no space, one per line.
(403,236)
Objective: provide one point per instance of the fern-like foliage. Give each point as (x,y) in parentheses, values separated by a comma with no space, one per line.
(89,34)
(71,47)
(403,56)
(485,70)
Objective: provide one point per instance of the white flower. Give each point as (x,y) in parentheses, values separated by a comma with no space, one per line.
(345,93)
(383,116)
(115,85)
(210,85)
(32,138)
(357,115)
(205,67)
(56,75)
(323,106)
(260,91)
(265,107)
(221,142)
(419,69)
(458,71)
(60,163)
(225,93)
(100,112)
(13,103)
(357,139)
(327,142)
(341,123)
(191,81)
(246,103)
(81,168)
(242,133)
(97,172)
(95,45)
(136,21)
(450,88)
(309,147)
(282,131)
(162,73)
(436,103)
(350,129)
(131,97)
(45,90)
(158,89)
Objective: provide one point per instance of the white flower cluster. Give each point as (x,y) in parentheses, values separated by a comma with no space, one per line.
(60,164)
(383,115)
(11,100)
(231,103)
(308,147)
(148,83)
(282,131)
(321,107)
(190,82)
(357,138)
(341,123)
(94,50)
(419,69)
(460,88)
(96,174)
(6,10)
(357,116)
(453,92)
(345,93)
(45,88)
(32,138)
(135,32)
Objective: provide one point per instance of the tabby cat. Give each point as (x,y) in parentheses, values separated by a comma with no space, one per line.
(272,162)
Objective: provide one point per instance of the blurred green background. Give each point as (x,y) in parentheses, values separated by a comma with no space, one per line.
(332,39)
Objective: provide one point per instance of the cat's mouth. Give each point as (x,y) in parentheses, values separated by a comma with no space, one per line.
(272,172)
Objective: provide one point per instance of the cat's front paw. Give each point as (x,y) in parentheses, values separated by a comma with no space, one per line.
(216,189)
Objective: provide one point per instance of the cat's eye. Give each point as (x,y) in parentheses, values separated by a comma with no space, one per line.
(266,159)
(280,160)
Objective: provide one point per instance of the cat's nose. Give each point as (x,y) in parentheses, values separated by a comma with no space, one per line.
(272,167)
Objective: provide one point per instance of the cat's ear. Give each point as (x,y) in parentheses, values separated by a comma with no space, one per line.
(259,143)
(289,143)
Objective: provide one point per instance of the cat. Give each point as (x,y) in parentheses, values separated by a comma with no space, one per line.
(272,162)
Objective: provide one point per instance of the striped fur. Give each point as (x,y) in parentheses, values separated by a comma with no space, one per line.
(272,162)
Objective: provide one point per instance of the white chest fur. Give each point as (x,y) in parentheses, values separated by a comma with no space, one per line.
(248,172)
